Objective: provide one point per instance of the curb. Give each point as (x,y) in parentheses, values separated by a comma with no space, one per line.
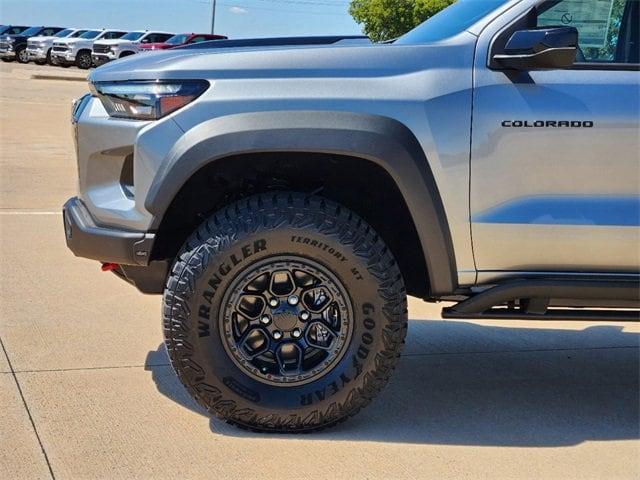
(58,77)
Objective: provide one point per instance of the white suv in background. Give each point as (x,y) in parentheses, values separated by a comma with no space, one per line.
(108,50)
(77,51)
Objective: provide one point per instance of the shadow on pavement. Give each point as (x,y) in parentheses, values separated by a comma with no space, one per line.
(460,383)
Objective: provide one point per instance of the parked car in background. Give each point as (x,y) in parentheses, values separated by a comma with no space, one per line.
(129,44)
(14,46)
(11,29)
(77,51)
(181,40)
(39,48)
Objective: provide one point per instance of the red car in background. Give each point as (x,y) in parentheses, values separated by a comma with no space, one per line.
(181,39)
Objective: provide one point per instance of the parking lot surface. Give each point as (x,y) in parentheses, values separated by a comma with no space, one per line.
(86,390)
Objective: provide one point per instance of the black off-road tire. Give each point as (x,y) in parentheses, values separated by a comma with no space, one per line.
(277,227)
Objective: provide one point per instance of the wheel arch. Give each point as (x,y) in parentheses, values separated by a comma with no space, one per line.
(378,141)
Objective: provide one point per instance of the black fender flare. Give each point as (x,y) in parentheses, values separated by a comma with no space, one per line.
(381,140)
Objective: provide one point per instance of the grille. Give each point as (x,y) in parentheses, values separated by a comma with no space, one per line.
(60,48)
(4,45)
(101,48)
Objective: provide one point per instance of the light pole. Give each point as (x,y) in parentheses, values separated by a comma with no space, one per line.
(213,17)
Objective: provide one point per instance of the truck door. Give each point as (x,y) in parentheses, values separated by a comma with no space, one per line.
(555,158)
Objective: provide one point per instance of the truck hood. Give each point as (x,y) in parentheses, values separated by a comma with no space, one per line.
(44,39)
(71,41)
(14,37)
(115,41)
(369,60)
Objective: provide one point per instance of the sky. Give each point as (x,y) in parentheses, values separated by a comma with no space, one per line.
(234,18)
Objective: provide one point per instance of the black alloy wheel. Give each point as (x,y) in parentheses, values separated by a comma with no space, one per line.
(84,60)
(286,321)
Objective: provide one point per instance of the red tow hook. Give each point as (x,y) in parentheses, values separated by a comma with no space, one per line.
(110,267)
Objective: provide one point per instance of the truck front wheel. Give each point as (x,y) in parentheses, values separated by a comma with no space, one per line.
(284,312)
(51,60)
(83,60)
(21,55)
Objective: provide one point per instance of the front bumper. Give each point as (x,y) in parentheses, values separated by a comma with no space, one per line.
(108,245)
(130,250)
(108,222)
(37,53)
(6,53)
(65,57)
(102,58)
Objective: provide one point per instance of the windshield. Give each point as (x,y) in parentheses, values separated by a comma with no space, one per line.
(90,34)
(31,32)
(63,33)
(78,34)
(132,36)
(3,28)
(177,40)
(450,21)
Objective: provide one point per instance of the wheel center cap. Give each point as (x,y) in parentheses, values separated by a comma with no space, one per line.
(285,321)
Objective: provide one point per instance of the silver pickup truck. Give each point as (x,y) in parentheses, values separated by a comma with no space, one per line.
(39,48)
(286,199)
(77,51)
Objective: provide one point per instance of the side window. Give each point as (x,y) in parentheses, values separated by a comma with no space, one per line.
(112,35)
(16,30)
(604,27)
(47,32)
(198,39)
(162,37)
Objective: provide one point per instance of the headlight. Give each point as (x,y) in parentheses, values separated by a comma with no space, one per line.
(143,100)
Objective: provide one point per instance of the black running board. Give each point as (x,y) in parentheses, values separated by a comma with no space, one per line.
(530,299)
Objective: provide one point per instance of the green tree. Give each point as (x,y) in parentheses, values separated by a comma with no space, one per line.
(387,19)
(608,51)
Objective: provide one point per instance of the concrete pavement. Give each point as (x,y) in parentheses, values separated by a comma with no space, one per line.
(86,390)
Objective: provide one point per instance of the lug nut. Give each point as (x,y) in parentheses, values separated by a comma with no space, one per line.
(265,320)
(304,316)
(296,333)
(277,335)
(293,300)
(273,302)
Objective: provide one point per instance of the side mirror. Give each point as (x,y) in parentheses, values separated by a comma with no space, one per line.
(546,48)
